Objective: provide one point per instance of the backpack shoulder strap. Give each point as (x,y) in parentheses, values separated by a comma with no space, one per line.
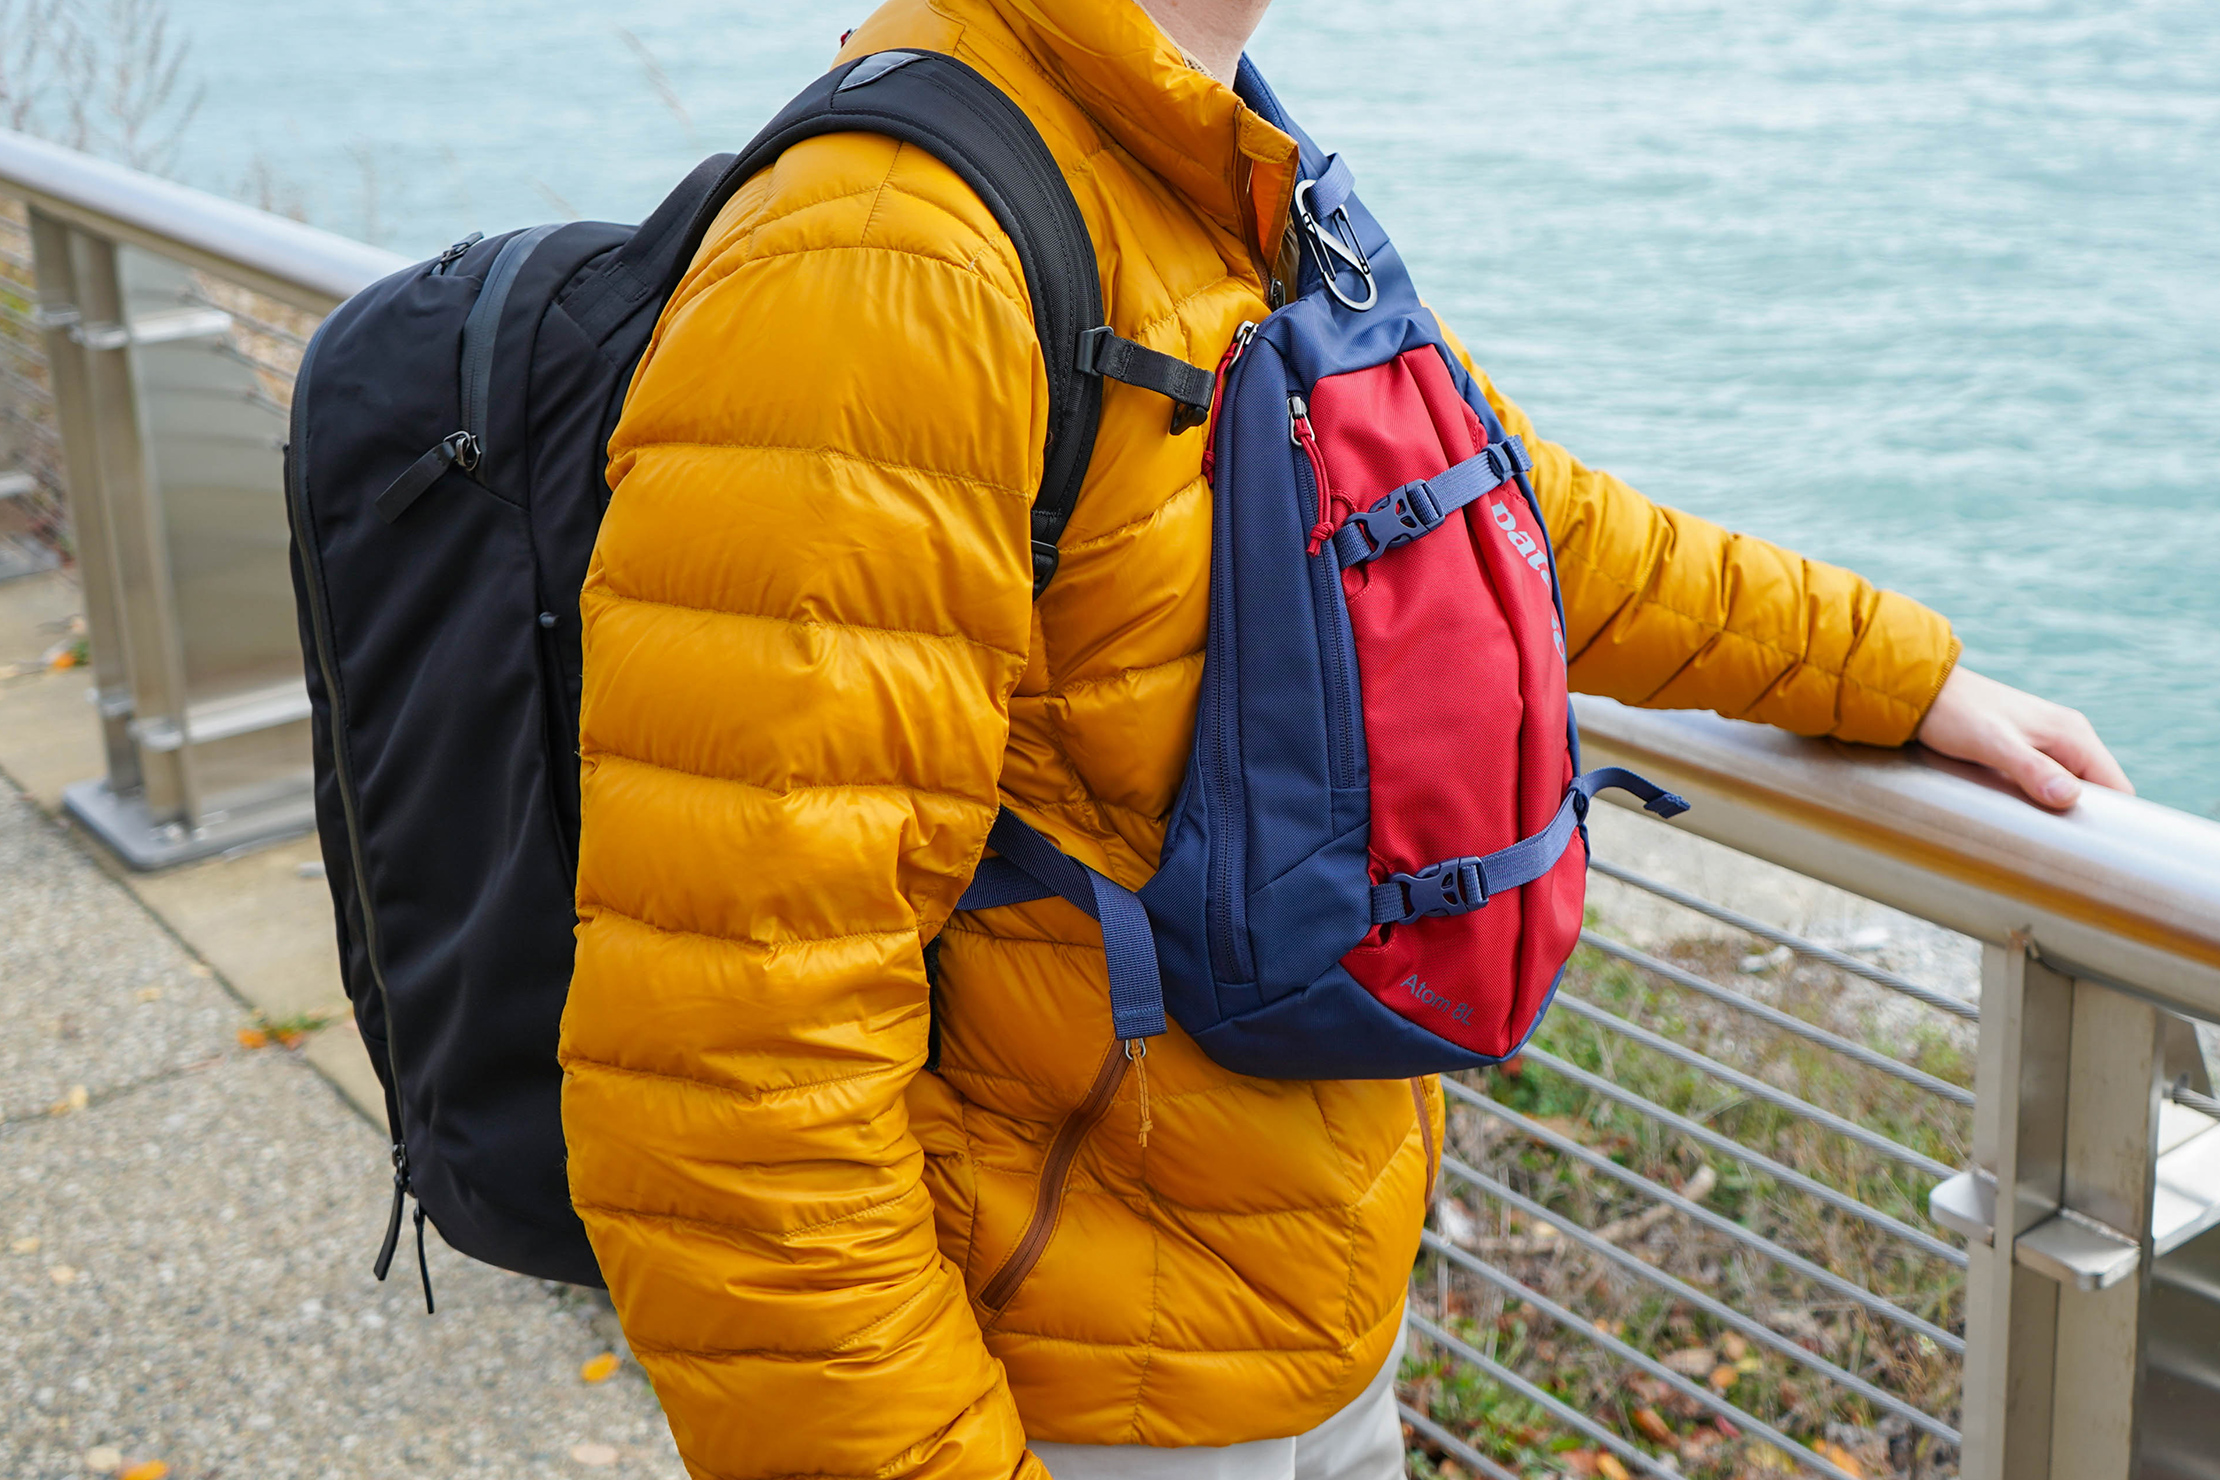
(946,108)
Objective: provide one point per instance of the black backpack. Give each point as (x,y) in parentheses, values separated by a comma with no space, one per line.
(444,482)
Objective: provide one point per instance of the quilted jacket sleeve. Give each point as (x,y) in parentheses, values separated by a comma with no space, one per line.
(1669,611)
(808,607)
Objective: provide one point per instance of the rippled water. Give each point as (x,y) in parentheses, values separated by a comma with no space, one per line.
(1929,289)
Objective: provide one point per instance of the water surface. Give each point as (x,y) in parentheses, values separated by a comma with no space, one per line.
(1931,290)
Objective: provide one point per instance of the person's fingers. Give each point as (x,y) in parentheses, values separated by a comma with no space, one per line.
(2073,743)
(2038,775)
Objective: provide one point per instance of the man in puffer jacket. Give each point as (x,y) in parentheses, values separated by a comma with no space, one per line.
(814,669)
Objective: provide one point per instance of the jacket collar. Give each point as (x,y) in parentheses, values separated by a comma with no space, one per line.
(1176,119)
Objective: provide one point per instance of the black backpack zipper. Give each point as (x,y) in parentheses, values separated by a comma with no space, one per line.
(327,664)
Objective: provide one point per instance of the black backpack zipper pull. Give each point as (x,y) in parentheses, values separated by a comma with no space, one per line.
(455,450)
(403,1188)
(447,258)
(393,1219)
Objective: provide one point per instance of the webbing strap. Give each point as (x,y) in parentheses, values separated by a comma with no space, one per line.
(1333,187)
(1102,351)
(1030,868)
(1457,886)
(1422,507)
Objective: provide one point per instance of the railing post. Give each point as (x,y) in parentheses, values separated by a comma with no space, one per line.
(54,262)
(2112,1103)
(2066,1137)
(2019,1149)
(152,644)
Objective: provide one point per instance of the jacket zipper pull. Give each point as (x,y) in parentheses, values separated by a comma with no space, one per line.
(1300,432)
(1137,1050)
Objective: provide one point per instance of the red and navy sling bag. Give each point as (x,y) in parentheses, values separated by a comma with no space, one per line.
(1377,864)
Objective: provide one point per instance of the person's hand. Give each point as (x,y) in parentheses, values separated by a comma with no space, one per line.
(2042,746)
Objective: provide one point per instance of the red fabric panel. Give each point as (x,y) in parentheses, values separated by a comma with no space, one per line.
(1460,659)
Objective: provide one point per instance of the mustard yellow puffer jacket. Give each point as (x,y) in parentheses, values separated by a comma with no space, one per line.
(813,670)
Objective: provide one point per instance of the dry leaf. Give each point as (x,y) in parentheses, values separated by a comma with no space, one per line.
(253,1038)
(25,1246)
(1842,1458)
(1449,1470)
(1608,1466)
(149,994)
(594,1454)
(146,1469)
(1694,1361)
(287,1037)
(1723,1378)
(597,1369)
(1767,1460)
(61,1274)
(1652,1423)
(104,1459)
(1734,1346)
(1579,1463)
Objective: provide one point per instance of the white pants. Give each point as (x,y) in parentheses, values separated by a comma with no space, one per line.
(1364,1441)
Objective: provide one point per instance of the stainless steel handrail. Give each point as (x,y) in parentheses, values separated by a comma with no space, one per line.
(296,263)
(2118,889)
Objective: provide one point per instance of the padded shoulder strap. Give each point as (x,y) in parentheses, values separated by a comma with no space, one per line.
(944,107)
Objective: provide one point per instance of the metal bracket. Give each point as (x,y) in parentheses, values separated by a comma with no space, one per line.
(2070,1247)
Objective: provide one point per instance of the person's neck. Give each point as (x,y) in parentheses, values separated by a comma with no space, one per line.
(1213,32)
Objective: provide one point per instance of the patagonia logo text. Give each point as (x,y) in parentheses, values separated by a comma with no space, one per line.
(1531,551)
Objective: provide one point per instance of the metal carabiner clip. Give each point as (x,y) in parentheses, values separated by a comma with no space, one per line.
(1341,242)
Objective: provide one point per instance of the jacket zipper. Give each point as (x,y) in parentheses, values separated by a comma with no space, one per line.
(1048,1203)
(1426,1137)
(327,665)
(1315,495)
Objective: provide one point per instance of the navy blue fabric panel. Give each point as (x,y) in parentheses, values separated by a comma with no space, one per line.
(1282,718)
(1312,915)
(1333,1029)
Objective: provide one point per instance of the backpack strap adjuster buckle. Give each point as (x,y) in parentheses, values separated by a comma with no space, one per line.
(1455,886)
(1397,519)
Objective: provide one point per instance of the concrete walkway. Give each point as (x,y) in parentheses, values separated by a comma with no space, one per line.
(186,1225)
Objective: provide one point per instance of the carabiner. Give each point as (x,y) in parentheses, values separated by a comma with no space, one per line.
(1340,242)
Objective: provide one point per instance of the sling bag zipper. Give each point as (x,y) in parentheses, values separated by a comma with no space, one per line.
(1313,491)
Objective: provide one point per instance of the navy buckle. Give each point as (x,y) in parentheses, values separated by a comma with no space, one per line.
(1397,519)
(1455,886)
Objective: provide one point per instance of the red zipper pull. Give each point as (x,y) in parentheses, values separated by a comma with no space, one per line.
(1300,433)
(1241,338)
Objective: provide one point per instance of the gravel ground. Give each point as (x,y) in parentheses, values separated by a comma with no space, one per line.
(184,1247)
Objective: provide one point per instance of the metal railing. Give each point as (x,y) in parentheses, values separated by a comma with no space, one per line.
(2085,1342)
(1711,1226)
(150,337)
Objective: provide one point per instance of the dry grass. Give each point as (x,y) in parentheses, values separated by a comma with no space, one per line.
(1802,1403)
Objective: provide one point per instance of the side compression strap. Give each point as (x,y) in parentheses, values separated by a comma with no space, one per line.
(1103,352)
(1457,886)
(1421,507)
(1030,868)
